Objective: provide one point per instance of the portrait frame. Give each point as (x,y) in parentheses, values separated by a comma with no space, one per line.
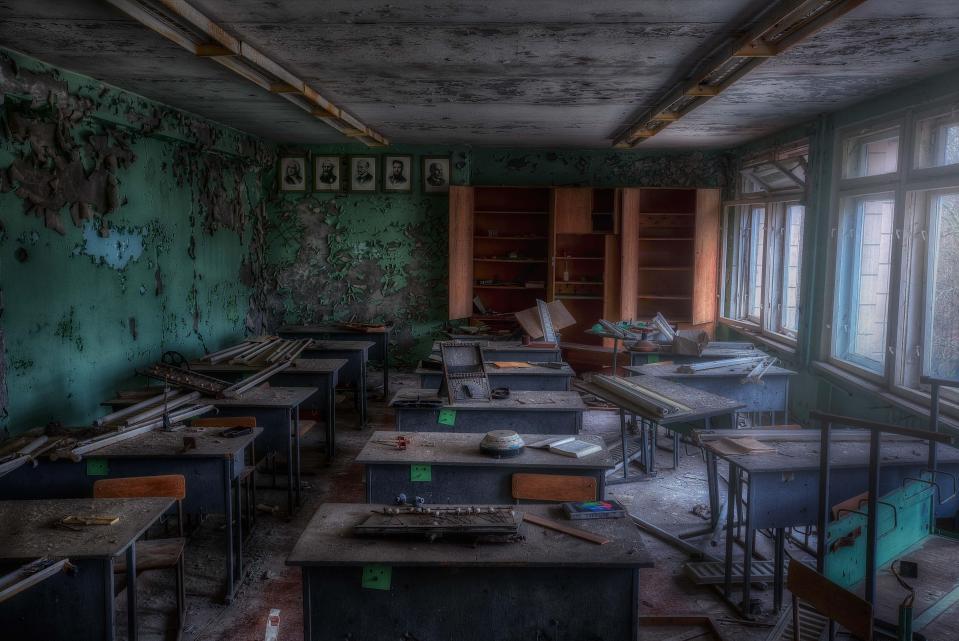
(357,182)
(321,181)
(284,183)
(428,179)
(392,185)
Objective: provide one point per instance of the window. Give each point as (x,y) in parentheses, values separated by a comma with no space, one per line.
(763,243)
(895,286)
(862,281)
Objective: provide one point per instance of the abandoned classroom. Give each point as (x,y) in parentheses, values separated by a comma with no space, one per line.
(479,321)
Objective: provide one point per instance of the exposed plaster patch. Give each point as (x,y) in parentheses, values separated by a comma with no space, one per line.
(117,250)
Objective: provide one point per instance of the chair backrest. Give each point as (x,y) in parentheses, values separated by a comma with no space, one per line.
(832,600)
(553,487)
(167,486)
(225,421)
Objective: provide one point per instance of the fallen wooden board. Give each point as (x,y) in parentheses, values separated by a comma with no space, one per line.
(565,529)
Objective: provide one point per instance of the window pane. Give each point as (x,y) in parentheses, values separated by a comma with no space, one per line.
(757,229)
(942,303)
(792,254)
(937,141)
(872,154)
(862,292)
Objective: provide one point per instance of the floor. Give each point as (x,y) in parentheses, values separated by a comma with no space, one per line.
(672,501)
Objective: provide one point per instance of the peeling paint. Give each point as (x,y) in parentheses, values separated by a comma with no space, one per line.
(116,250)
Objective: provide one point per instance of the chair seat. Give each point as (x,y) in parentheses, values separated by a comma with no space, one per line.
(156,554)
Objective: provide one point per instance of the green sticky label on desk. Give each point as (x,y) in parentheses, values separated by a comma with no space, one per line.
(377,577)
(653,358)
(421,473)
(97,467)
(447,417)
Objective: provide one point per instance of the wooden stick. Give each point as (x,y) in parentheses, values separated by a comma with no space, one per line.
(565,529)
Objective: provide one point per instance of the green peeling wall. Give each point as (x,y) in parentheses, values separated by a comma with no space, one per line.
(376,257)
(125,228)
(813,388)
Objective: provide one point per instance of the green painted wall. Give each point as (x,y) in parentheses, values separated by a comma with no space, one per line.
(373,257)
(812,389)
(164,204)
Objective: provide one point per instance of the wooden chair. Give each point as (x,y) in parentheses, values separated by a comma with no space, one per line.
(553,487)
(831,600)
(155,554)
(247,479)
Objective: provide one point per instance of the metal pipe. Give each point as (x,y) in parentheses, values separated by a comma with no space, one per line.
(163,408)
(692,368)
(136,407)
(226,354)
(254,380)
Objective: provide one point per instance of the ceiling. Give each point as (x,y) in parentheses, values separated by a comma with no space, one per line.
(562,73)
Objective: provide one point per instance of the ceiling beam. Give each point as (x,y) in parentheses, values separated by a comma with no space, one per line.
(771,33)
(183,24)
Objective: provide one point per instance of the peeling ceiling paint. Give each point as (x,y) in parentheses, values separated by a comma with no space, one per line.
(545,74)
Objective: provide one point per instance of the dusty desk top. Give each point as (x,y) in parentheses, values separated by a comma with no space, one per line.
(266,396)
(300,366)
(668,370)
(702,404)
(347,346)
(330,329)
(800,456)
(538,370)
(444,448)
(27,531)
(518,400)
(328,540)
(161,444)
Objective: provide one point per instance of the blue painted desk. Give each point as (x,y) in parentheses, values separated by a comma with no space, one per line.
(770,394)
(710,353)
(380,339)
(78,606)
(536,378)
(511,351)
(523,412)
(460,473)
(356,354)
(321,374)
(212,472)
(547,585)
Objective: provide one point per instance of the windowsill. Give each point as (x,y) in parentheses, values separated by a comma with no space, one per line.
(868,387)
(751,330)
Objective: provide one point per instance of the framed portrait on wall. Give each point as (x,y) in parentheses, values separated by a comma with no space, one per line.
(292,173)
(363,173)
(436,174)
(328,173)
(398,174)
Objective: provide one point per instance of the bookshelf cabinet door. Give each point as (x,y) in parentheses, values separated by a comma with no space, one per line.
(461,252)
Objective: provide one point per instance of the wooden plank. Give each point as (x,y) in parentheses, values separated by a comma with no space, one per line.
(572,210)
(706,252)
(461,202)
(553,487)
(612,269)
(838,604)
(628,252)
(565,529)
(164,485)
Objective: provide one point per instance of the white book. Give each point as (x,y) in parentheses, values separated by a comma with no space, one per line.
(575,448)
(547,442)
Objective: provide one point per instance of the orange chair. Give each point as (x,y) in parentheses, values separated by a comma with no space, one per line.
(155,554)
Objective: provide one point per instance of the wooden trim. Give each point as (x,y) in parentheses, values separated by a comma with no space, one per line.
(628,252)
(165,485)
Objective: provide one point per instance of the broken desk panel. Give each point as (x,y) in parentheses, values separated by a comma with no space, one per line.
(356,354)
(529,585)
(511,351)
(77,605)
(523,412)
(319,373)
(211,467)
(450,469)
(769,394)
(710,353)
(380,338)
(534,378)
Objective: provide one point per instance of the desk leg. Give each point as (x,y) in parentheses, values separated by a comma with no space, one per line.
(331,422)
(291,437)
(386,367)
(615,354)
(228,509)
(132,631)
(239,529)
(778,570)
(712,484)
(653,438)
(109,623)
(675,450)
(295,419)
(307,606)
(622,432)
(748,551)
(362,395)
(730,526)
